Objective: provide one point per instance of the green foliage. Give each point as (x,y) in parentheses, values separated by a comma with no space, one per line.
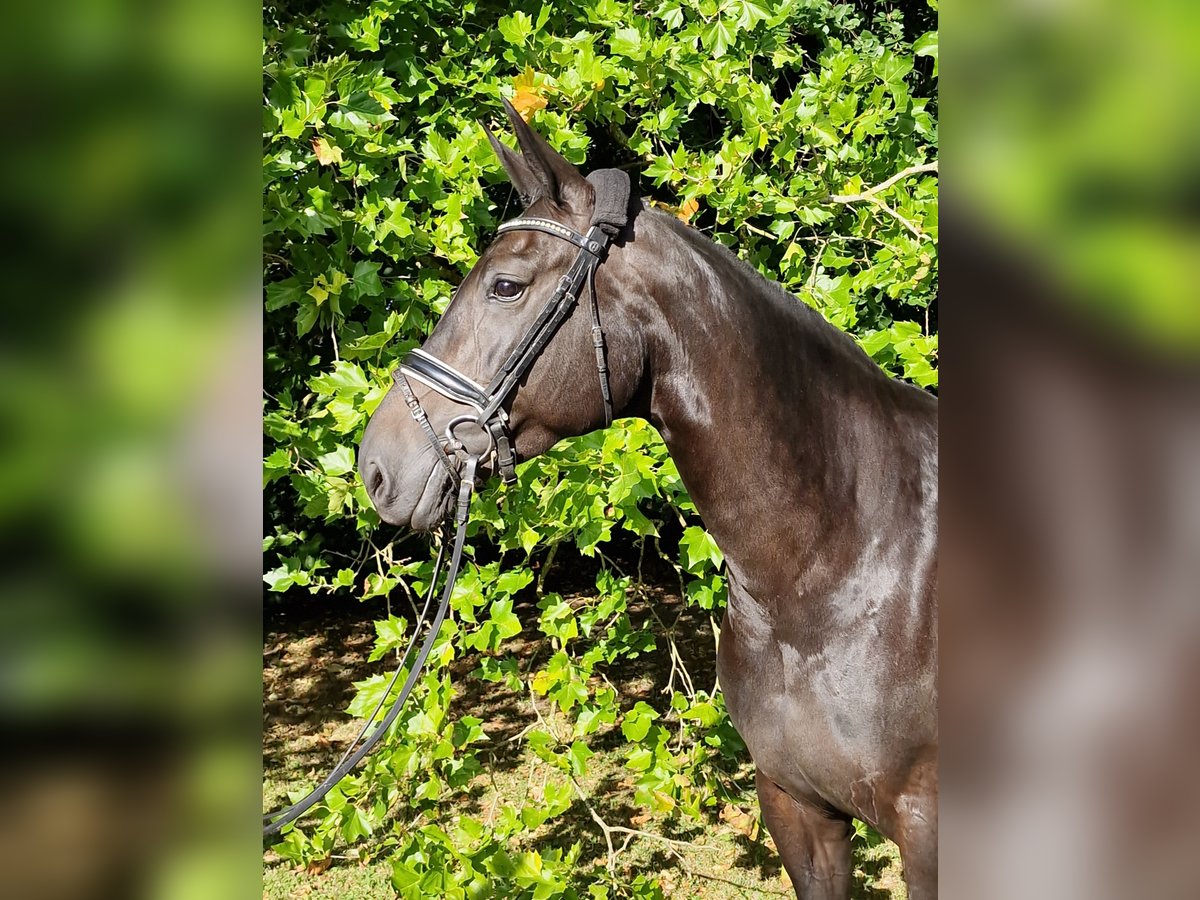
(777,127)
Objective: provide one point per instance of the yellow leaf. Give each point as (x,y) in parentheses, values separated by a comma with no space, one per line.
(339,281)
(527,97)
(688,210)
(665,801)
(318,293)
(527,104)
(525,81)
(326,155)
(740,821)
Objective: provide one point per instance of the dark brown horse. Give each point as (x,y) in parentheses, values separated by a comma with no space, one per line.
(815,472)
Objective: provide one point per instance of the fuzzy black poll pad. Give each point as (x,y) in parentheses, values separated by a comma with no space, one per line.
(612,199)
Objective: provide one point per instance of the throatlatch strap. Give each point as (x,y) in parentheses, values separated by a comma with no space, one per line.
(601,350)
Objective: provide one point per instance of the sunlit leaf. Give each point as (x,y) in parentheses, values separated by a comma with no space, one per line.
(327,154)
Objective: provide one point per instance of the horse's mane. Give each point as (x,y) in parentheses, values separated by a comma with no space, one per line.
(762,289)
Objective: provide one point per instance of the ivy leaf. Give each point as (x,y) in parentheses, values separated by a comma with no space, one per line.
(306,318)
(283,293)
(318,290)
(752,14)
(279,579)
(638,720)
(875,342)
(404,877)
(578,756)
(513,580)
(658,169)
(504,619)
(704,713)
(672,16)
(356,826)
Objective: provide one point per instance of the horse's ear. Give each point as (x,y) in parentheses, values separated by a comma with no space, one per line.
(529,186)
(565,186)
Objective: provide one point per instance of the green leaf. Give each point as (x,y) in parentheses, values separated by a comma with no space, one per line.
(704,713)
(637,722)
(356,826)
(927,45)
(699,550)
(672,16)
(504,619)
(516,28)
(366,279)
(404,877)
(627,42)
(279,579)
(578,755)
(528,869)
(339,461)
(283,293)
(345,379)
(716,38)
(306,317)
(752,14)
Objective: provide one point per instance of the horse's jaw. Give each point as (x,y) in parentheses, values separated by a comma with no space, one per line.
(407,490)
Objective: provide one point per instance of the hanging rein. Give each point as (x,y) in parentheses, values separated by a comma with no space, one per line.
(609,216)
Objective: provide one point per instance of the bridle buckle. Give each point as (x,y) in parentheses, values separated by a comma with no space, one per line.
(455,445)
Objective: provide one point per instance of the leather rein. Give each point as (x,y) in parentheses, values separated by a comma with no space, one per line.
(488,404)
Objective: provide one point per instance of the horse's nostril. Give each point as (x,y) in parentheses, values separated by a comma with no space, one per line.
(374,477)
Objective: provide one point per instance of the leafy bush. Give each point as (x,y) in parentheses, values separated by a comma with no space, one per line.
(802,134)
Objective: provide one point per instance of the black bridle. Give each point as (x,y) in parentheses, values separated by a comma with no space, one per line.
(609,216)
(488,402)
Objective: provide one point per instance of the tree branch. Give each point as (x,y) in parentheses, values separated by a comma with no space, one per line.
(869,196)
(610,830)
(916,232)
(883,185)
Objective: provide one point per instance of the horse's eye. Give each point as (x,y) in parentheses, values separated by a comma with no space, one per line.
(507,289)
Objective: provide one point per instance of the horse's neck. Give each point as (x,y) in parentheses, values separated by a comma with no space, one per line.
(783,430)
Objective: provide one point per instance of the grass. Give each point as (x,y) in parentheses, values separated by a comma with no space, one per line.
(312,656)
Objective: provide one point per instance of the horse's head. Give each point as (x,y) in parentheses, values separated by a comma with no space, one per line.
(496,306)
